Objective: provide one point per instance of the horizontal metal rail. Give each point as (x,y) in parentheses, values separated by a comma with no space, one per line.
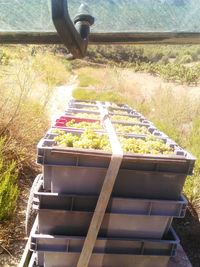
(103,38)
(26,259)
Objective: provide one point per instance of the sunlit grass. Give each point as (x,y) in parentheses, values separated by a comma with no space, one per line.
(27,83)
(175,113)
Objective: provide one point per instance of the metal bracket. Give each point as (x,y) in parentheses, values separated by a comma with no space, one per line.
(74,35)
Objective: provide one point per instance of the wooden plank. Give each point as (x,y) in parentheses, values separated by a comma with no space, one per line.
(105,193)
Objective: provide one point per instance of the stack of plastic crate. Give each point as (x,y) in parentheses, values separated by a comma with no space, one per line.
(136,229)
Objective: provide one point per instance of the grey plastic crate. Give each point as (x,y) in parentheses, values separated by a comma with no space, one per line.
(61,222)
(151,207)
(76,110)
(151,129)
(73,102)
(112,111)
(129,183)
(118,109)
(182,162)
(56,259)
(141,119)
(129,113)
(76,104)
(83,109)
(146,176)
(80,105)
(124,218)
(73,111)
(63,250)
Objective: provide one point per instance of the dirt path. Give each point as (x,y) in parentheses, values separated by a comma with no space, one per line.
(61,96)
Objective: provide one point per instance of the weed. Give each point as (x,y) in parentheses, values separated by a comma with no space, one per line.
(51,69)
(8,185)
(26,86)
(88,94)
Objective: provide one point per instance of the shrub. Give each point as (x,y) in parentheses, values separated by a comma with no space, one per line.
(51,69)
(8,185)
(194,140)
(185,59)
(164,60)
(192,186)
(23,113)
(4,58)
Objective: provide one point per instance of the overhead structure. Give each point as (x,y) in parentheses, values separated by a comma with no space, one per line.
(127,21)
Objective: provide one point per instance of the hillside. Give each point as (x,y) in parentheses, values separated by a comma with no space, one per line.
(118,15)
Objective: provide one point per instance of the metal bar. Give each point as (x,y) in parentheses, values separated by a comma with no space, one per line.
(26,257)
(66,29)
(103,38)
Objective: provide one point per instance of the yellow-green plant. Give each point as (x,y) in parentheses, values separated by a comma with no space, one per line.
(8,185)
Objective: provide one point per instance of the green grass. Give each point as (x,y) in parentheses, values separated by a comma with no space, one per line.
(8,184)
(88,94)
(87,80)
(51,69)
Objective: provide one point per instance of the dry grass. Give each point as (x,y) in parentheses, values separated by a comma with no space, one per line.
(111,84)
(175,111)
(26,88)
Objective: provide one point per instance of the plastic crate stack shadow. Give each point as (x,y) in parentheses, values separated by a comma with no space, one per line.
(136,230)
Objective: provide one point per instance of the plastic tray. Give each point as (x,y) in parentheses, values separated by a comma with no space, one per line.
(74,103)
(61,125)
(76,110)
(71,112)
(61,122)
(71,215)
(149,207)
(79,102)
(147,176)
(56,259)
(54,251)
(82,104)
